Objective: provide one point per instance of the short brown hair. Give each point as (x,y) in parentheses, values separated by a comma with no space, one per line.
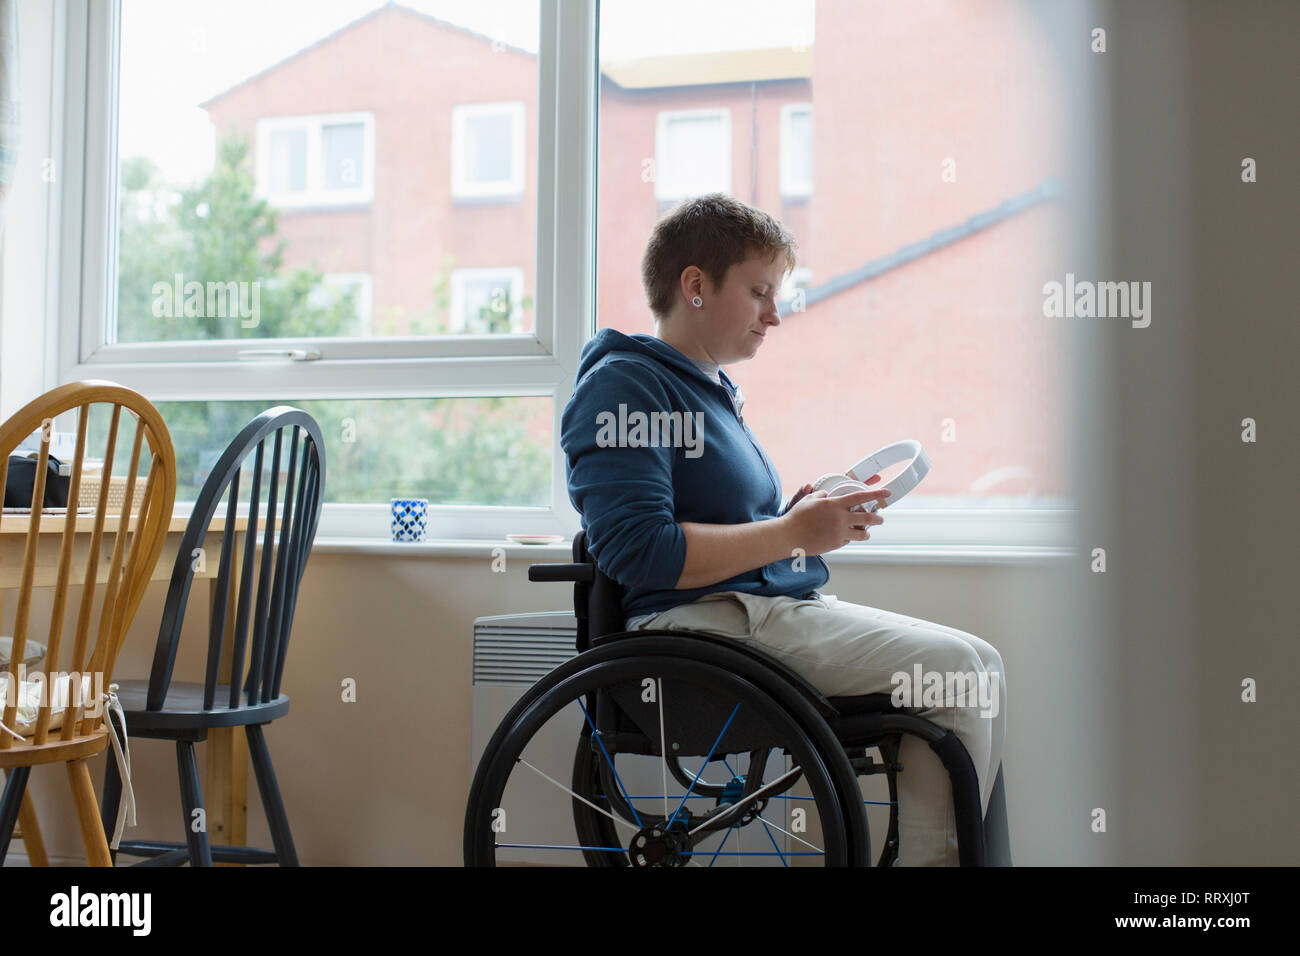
(712,232)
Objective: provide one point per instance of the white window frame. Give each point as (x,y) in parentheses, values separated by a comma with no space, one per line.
(792,188)
(666,188)
(464,187)
(540,362)
(316,194)
(78,240)
(514,278)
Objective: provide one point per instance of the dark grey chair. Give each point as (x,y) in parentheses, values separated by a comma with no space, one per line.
(163,709)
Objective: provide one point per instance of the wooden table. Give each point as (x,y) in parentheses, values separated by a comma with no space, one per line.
(225,792)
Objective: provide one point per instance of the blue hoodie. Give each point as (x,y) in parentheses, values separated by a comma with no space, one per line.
(651,441)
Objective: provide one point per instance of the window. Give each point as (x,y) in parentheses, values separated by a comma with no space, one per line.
(487,158)
(316,160)
(176,280)
(929,279)
(796,281)
(484,301)
(796,150)
(240,246)
(692,153)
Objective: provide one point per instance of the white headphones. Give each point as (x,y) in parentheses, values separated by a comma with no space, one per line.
(835,484)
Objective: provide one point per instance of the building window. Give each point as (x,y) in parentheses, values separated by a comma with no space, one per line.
(316,160)
(692,153)
(487,150)
(796,151)
(486,301)
(796,281)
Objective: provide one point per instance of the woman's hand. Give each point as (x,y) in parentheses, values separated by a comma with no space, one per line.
(807,489)
(819,523)
(795,499)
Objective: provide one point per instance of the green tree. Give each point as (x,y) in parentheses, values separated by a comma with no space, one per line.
(219,232)
(451,451)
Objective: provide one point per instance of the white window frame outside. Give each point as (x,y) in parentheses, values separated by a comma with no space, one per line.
(667,188)
(315,194)
(462,185)
(79,253)
(514,279)
(792,188)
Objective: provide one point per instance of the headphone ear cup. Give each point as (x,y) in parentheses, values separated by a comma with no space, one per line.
(847,487)
(829,480)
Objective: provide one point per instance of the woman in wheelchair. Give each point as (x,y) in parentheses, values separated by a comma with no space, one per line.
(702,633)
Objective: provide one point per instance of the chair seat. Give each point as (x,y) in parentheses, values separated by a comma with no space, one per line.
(25,753)
(183,709)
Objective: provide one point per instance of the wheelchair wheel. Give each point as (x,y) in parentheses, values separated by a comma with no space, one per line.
(758,790)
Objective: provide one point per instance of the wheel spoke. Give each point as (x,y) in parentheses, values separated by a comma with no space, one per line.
(706,762)
(612,769)
(725,836)
(577,796)
(663,743)
(767,828)
(555,846)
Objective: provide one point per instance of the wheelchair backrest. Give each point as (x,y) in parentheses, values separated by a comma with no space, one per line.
(598,606)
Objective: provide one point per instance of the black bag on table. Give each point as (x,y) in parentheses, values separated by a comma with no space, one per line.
(20,482)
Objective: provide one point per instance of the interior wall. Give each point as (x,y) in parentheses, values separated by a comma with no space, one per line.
(383,780)
(1245,88)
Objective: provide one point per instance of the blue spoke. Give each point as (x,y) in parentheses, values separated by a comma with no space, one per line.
(773,839)
(596,733)
(555,846)
(720,845)
(706,763)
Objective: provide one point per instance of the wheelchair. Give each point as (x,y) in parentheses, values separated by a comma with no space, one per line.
(785,760)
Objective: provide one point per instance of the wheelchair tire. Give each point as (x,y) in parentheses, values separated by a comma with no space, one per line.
(669,841)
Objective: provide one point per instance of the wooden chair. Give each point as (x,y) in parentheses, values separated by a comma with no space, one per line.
(163,709)
(137,529)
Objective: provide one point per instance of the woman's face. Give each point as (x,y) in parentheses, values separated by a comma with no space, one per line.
(731,325)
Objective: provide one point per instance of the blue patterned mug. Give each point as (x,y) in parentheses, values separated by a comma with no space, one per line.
(410,518)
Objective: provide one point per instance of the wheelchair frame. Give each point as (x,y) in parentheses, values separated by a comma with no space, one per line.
(841,729)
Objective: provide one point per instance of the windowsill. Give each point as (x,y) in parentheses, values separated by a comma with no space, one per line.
(976,555)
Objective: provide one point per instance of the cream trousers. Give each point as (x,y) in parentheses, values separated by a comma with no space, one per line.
(846,649)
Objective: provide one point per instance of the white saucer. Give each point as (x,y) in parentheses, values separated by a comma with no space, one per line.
(535,538)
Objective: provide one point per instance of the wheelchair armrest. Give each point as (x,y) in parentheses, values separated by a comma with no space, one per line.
(583,573)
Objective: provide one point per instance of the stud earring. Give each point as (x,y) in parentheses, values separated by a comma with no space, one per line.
(697,302)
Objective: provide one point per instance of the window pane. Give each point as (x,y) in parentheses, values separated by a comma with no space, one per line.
(697,155)
(453,451)
(490,147)
(351,172)
(344,147)
(930,328)
(801,146)
(288,160)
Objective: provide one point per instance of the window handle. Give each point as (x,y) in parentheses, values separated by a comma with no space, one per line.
(292,355)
